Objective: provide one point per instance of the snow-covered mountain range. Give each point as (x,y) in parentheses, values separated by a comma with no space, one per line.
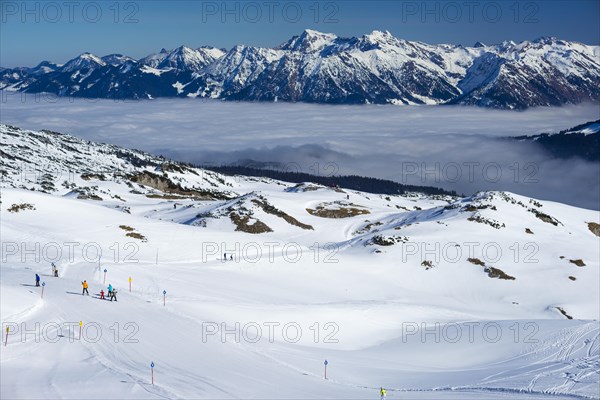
(354,268)
(323,68)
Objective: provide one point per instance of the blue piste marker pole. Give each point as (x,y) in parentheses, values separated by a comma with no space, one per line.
(43,284)
(325,364)
(164,298)
(152,371)
(105,271)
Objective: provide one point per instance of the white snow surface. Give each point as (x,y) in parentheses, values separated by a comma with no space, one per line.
(384,318)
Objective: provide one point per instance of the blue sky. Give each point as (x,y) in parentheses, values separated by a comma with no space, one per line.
(31,31)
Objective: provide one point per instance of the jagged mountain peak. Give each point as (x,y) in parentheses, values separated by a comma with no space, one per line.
(378,35)
(324,68)
(83,61)
(45,63)
(382,40)
(116,59)
(44,67)
(547,40)
(184,58)
(507,45)
(309,41)
(181,49)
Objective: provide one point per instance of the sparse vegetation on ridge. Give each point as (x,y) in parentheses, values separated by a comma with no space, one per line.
(594,228)
(498,273)
(337,210)
(563,312)
(270,209)
(15,208)
(248,224)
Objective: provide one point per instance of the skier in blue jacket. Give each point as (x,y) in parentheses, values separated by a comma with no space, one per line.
(37,280)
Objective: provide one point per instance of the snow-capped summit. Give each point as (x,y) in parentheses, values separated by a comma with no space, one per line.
(324,68)
(152,60)
(309,41)
(84,61)
(43,68)
(548,40)
(187,59)
(116,59)
(381,38)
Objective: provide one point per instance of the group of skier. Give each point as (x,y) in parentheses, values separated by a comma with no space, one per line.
(54,273)
(111,292)
(54,270)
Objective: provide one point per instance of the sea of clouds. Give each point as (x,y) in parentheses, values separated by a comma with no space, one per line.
(454,147)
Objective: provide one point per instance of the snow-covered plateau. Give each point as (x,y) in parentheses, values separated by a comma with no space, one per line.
(242,287)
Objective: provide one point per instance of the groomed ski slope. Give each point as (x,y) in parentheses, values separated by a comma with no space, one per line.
(365,299)
(409,292)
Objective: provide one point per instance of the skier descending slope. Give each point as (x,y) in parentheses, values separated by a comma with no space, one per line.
(85,288)
(110,289)
(37,280)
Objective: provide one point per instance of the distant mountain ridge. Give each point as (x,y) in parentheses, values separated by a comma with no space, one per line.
(581,141)
(317,67)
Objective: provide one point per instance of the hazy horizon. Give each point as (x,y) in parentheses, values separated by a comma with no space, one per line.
(382,141)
